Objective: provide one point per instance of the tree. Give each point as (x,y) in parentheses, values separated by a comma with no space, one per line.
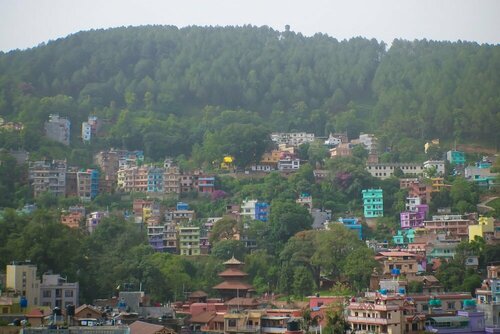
(333,248)
(224,229)
(359,266)
(303,282)
(286,219)
(224,249)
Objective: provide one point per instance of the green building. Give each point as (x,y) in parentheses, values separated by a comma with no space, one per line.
(373,203)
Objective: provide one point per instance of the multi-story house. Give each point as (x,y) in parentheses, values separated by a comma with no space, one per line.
(108,165)
(72,219)
(206,184)
(406,183)
(248,209)
(335,139)
(171,178)
(87,184)
(48,176)
(189,240)
(94,219)
(342,150)
(481,175)
(368,140)
(90,128)
(404,237)
(55,291)
(485,229)
(386,170)
(262,211)
(353,225)
(155,236)
(376,313)
(454,226)
(455,157)
(437,184)
(415,213)
(292,138)
(405,262)
(488,296)
(373,203)
(58,129)
(72,182)
(422,190)
(441,249)
(438,165)
(181,215)
(22,278)
(288,161)
(170,238)
(155,180)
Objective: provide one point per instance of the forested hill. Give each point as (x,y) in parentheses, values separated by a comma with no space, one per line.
(158,80)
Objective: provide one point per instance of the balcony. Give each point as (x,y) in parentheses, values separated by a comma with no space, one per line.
(244,329)
(366,320)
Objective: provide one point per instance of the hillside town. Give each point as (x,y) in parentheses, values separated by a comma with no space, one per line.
(403,296)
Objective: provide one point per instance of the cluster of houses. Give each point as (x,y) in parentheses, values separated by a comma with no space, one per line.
(173,230)
(388,306)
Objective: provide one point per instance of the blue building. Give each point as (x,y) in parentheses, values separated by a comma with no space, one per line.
(455,157)
(155,180)
(353,225)
(87,184)
(373,203)
(261,211)
(181,206)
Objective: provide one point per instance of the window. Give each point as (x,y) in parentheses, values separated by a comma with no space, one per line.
(68,293)
(47,293)
(231,323)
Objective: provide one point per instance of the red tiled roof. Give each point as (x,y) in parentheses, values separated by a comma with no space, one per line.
(140,327)
(35,313)
(203,317)
(232,272)
(232,286)
(198,294)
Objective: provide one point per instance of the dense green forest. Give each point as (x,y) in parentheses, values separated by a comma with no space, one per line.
(169,91)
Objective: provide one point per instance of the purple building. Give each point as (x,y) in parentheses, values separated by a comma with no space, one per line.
(414,218)
(467,321)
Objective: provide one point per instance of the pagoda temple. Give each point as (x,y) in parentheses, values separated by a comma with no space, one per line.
(234,285)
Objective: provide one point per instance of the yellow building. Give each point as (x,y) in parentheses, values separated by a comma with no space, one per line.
(22,278)
(437,184)
(485,225)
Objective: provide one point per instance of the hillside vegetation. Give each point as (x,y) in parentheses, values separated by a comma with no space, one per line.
(168,90)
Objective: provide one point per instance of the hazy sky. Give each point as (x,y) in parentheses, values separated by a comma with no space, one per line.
(26,23)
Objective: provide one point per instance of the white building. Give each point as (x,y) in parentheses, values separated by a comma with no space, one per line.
(248,208)
(386,170)
(292,138)
(438,164)
(289,164)
(56,292)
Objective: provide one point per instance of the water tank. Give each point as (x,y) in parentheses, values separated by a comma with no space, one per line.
(435,303)
(70,310)
(383,291)
(23,302)
(469,304)
(401,291)
(395,272)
